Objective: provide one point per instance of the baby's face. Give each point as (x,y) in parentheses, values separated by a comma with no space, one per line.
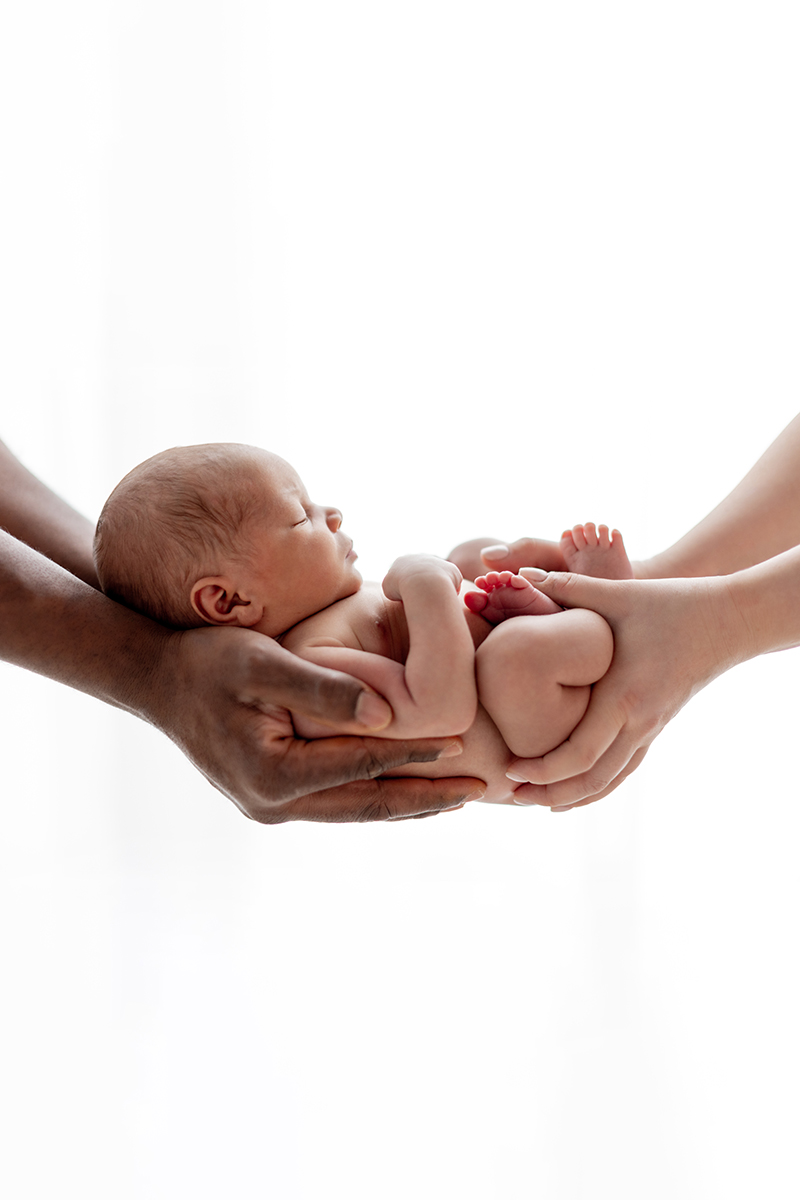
(302,561)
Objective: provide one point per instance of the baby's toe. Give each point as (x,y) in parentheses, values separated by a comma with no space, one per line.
(475,601)
(579,537)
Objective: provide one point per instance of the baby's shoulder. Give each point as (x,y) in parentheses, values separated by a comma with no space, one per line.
(361,622)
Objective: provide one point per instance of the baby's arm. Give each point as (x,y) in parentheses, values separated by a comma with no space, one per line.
(435,688)
(535,674)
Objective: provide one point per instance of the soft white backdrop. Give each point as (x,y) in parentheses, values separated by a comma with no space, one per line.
(472,269)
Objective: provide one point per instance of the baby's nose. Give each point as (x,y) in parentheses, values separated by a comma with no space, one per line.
(334,519)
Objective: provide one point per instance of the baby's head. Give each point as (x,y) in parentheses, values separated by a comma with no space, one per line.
(222,534)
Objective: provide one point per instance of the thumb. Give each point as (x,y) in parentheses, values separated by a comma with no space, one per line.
(574,591)
(328,696)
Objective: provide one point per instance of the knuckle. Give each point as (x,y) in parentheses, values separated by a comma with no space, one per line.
(594,783)
(375,810)
(646,723)
(649,726)
(584,760)
(369,765)
(567,582)
(269,816)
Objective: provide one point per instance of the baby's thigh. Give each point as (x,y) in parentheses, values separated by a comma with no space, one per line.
(519,670)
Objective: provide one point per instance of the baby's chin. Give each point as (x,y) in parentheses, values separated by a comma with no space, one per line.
(352,584)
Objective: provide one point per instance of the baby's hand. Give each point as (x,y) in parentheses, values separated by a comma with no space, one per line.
(412,568)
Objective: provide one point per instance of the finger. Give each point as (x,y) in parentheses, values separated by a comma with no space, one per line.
(623,775)
(302,767)
(281,678)
(605,596)
(526,552)
(423,816)
(384,800)
(599,729)
(495,554)
(592,783)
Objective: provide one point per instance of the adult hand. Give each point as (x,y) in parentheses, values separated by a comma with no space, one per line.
(671,638)
(223,697)
(525,552)
(482,554)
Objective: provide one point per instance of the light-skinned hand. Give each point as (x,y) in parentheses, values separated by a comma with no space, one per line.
(525,552)
(671,637)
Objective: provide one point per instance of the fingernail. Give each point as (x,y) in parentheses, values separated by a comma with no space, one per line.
(533,573)
(372,711)
(495,552)
(523,803)
(516,778)
(451,750)
(476,795)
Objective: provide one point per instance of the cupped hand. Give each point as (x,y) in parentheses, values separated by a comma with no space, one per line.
(224,695)
(671,638)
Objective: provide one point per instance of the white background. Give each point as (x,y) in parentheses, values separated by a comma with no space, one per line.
(473,269)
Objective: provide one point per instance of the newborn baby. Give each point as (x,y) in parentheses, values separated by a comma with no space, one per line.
(225,534)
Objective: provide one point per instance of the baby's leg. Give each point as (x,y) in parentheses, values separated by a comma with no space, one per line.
(507,595)
(590,551)
(534,676)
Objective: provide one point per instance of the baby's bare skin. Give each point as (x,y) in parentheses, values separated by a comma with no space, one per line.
(534,673)
(594,551)
(245,547)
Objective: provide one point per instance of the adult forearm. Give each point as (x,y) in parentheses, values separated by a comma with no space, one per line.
(32,513)
(758,520)
(767,597)
(54,624)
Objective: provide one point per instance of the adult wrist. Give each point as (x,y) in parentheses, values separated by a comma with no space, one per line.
(732,614)
(765,597)
(665,565)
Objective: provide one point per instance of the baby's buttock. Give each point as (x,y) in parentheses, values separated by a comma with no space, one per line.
(485,756)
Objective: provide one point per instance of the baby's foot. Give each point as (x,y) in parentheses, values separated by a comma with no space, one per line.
(590,551)
(507,595)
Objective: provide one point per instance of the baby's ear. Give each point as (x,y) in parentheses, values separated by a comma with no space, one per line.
(217,602)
